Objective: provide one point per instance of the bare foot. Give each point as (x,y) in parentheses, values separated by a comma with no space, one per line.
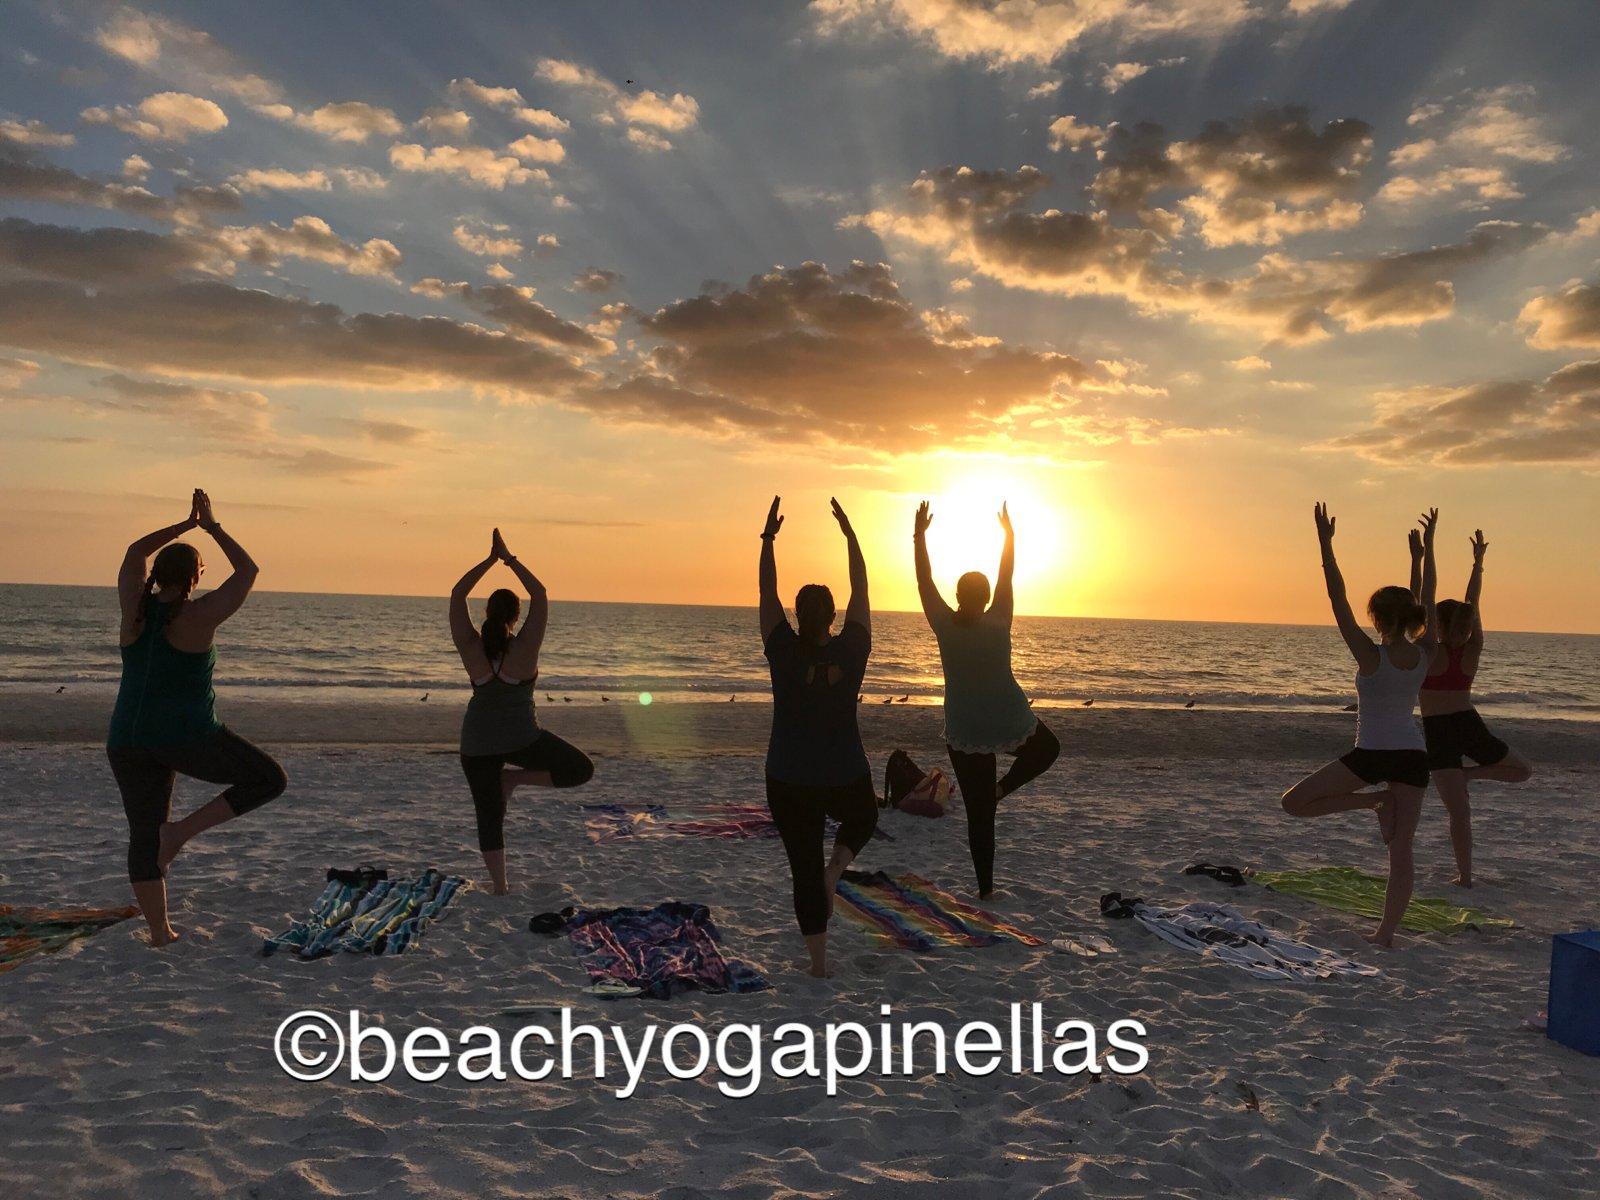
(1462,881)
(165,938)
(1379,940)
(820,972)
(171,843)
(1386,813)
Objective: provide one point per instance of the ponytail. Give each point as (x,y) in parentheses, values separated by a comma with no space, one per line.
(176,566)
(1395,612)
(499,615)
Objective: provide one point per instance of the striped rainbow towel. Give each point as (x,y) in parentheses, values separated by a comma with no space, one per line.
(906,910)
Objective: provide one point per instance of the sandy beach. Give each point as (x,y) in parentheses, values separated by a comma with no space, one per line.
(153,1072)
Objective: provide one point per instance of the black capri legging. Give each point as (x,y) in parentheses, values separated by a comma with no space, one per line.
(980,793)
(568,767)
(145,777)
(800,813)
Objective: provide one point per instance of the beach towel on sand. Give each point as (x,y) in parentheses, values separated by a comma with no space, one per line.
(908,911)
(25,932)
(1354,891)
(661,951)
(362,914)
(1222,932)
(616,822)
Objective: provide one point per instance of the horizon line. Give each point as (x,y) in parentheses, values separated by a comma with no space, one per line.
(751,607)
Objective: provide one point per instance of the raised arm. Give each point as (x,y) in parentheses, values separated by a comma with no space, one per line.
(222,601)
(933,604)
(531,635)
(468,644)
(1475,589)
(1002,601)
(771,611)
(1366,654)
(859,609)
(1414,544)
(1430,581)
(132,575)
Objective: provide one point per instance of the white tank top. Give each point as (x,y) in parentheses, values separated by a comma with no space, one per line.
(1386,704)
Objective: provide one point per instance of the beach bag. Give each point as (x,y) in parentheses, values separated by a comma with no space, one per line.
(910,789)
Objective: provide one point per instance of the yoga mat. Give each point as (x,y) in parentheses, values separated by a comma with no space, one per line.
(1350,890)
(739,822)
(908,911)
(25,932)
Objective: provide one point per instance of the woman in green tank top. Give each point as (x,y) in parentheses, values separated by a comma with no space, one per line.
(165,720)
(502,746)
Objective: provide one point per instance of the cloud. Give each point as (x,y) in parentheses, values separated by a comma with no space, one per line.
(316,179)
(494,241)
(312,239)
(645,115)
(181,52)
(806,353)
(499,272)
(1114,77)
(1472,142)
(215,411)
(1250,362)
(1068,133)
(346,121)
(1028,32)
(1553,421)
(477,164)
(105,255)
(521,315)
(1256,181)
(218,330)
(980,221)
(136,167)
(509,100)
(1566,319)
(596,281)
(385,432)
(535,149)
(34,133)
(163,117)
(447,124)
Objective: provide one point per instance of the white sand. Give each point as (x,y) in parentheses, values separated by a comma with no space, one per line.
(125,1071)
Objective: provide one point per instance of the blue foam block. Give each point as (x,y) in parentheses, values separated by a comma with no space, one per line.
(1574,1005)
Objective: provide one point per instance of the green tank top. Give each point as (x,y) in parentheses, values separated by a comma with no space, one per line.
(499,718)
(165,698)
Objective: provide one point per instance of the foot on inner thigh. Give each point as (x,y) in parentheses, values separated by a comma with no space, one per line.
(1385,809)
(171,842)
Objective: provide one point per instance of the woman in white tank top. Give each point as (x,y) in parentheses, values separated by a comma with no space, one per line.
(1390,753)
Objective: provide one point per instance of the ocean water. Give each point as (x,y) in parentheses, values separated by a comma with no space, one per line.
(292,643)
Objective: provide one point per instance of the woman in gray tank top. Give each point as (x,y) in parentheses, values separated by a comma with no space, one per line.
(1389,753)
(502,746)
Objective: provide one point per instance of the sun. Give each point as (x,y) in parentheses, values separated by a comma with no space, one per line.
(966,534)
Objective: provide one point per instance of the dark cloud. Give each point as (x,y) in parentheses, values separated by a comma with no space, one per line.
(97,255)
(597,281)
(1553,421)
(24,175)
(1566,319)
(807,353)
(517,310)
(202,328)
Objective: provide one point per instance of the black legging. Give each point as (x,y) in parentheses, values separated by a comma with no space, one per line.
(145,777)
(981,796)
(568,767)
(800,813)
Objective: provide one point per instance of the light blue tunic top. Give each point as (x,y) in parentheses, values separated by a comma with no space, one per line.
(985,710)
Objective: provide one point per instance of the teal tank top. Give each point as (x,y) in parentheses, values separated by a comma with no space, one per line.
(499,718)
(985,710)
(165,698)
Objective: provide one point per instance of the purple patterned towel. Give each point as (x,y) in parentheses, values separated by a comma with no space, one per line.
(671,948)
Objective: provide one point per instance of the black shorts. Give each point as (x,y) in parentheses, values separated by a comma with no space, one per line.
(1454,736)
(1389,766)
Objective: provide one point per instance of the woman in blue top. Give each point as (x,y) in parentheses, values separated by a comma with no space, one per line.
(165,720)
(985,711)
(816,765)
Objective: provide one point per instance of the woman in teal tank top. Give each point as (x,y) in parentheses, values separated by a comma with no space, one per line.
(165,720)
(985,711)
(502,746)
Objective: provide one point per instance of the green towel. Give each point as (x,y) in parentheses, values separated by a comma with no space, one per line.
(1355,891)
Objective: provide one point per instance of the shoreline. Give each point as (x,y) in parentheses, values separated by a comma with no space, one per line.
(721,729)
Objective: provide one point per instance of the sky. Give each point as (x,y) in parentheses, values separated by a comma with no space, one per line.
(1158,273)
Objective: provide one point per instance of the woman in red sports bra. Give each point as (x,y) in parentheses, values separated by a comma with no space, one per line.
(1451,725)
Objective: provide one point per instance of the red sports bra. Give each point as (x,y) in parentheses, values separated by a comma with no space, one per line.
(1453,678)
